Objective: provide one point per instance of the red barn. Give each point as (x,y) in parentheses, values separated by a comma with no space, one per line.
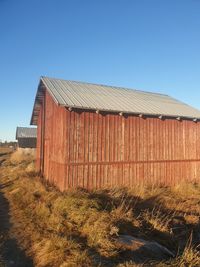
(97,136)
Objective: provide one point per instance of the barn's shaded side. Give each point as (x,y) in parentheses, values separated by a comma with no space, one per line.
(82,148)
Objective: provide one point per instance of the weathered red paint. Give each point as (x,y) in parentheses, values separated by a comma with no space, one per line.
(85,149)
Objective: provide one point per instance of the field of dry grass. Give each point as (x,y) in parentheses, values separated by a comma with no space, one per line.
(81,228)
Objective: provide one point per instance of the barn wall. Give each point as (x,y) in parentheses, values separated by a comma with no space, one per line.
(39,140)
(112,150)
(27,142)
(54,146)
(93,150)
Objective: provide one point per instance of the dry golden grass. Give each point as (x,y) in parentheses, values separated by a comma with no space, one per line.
(80,228)
(22,155)
(190,257)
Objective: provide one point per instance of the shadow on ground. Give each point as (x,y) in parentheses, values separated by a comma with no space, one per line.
(10,252)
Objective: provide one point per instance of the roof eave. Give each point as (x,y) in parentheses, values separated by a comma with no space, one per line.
(39,89)
(71,107)
(42,85)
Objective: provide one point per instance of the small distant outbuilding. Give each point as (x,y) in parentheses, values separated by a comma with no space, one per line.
(26,137)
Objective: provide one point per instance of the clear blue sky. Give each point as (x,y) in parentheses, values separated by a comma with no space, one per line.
(152,45)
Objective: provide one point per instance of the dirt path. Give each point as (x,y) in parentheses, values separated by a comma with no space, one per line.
(11,255)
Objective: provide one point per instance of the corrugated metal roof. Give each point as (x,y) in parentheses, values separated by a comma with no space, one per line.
(26,132)
(113,99)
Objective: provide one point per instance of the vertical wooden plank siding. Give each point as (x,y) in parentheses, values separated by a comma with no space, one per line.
(85,149)
(53,129)
(38,145)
